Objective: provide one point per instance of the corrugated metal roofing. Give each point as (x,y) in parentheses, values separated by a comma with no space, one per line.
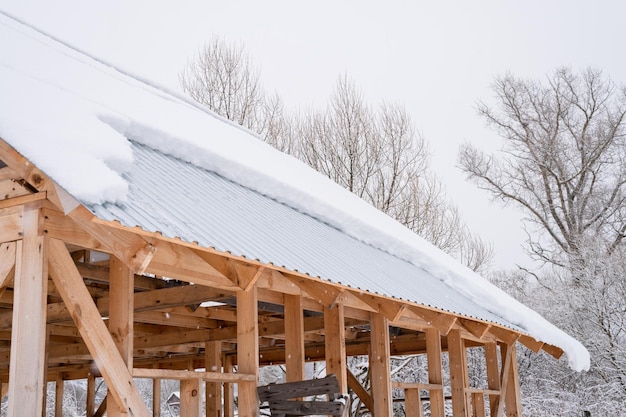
(184,201)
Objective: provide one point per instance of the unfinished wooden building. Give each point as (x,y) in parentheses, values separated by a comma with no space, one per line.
(191,260)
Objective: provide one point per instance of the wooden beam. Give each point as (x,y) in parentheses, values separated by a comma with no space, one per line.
(458,373)
(444,322)
(294,338)
(392,310)
(476,328)
(435,371)
(531,343)
(358,389)
(335,345)
(11,223)
(121,318)
(506,353)
(93,331)
(213,363)
(324,293)
(512,394)
(186,374)
(380,378)
(129,248)
(247,350)
(28,334)
(229,396)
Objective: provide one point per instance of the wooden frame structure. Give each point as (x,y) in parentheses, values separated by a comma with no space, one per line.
(134,311)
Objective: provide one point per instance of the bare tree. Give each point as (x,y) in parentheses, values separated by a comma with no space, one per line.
(564,157)
(223,78)
(375,152)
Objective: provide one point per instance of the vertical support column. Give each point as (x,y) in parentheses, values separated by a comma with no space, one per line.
(90,403)
(335,344)
(458,373)
(229,398)
(513,403)
(380,376)
(156,397)
(28,332)
(412,403)
(190,398)
(121,299)
(493,373)
(213,363)
(247,350)
(294,338)
(435,371)
(58,396)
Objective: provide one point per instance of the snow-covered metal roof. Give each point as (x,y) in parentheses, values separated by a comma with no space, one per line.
(145,156)
(181,200)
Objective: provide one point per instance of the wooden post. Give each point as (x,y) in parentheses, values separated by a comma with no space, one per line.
(156,397)
(190,398)
(90,403)
(247,350)
(435,371)
(121,291)
(458,373)
(493,374)
(478,404)
(58,396)
(513,403)
(412,403)
(335,345)
(213,363)
(380,377)
(28,332)
(229,398)
(294,338)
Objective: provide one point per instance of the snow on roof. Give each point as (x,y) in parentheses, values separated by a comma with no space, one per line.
(72,114)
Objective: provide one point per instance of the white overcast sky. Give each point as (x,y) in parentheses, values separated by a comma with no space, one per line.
(436,57)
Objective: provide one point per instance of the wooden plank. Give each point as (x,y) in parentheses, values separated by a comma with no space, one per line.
(7,263)
(229,395)
(335,345)
(93,331)
(512,395)
(28,334)
(554,351)
(294,338)
(493,373)
(310,387)
(413,403)
(476,328)
(444,322)
(156,397)
(181,374)
(121,298)
(186,265)
(190,398)
(435,371)
(389,308)
(247,350)
(458,373)
(506,353)
(213,363)
(379,357)
(102,408)
(11,224)
(90,403)
(531,343)
(507,336)
(131,249)
(478,404)
(324,293)
(308,408)
(358,389)
(58,397)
